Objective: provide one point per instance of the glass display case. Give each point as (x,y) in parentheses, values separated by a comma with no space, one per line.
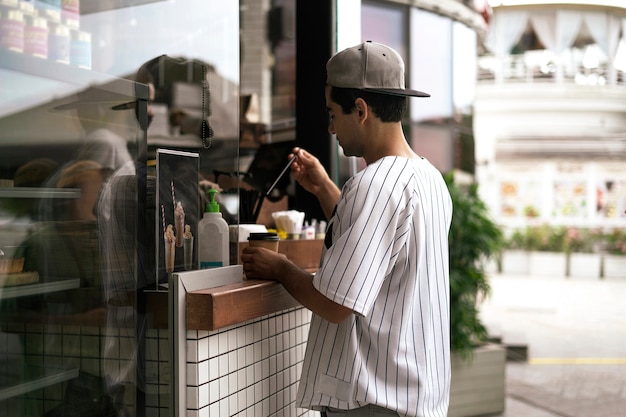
(90,91)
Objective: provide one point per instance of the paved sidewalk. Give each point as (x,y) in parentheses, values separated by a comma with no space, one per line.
(575,332)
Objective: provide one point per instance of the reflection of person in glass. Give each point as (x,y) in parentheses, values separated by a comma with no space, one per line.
(88,177)
(67,247)
(101,142)
(108,129)
(127,264)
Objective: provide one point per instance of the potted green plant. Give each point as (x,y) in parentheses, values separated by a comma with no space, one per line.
(583,256)
(478,367)
(474,238)
(538,249)
(547,250)
(515,255)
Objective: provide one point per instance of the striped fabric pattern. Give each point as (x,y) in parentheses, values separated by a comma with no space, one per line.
(388,262)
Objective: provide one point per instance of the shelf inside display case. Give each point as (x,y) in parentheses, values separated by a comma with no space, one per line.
(37,378)
(68,74)
(35,289)
(39,79)
(97,6)
(38,192)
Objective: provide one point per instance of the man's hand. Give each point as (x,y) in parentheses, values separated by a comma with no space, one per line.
(262,263)
(308,171)
(311,175)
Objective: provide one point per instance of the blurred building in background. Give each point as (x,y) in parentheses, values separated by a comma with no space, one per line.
(550,113)
(439,42)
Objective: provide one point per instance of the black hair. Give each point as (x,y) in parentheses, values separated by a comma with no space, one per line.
(389,108)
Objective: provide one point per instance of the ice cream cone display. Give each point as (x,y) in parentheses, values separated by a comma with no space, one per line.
(177,235)
(179,220)
(170,250)
(188,248)
(179,201)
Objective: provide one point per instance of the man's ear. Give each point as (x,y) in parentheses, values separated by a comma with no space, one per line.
(361,107)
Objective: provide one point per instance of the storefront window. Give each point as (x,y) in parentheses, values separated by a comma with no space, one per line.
(90,94)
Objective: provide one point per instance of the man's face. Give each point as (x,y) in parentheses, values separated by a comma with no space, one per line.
(344,126)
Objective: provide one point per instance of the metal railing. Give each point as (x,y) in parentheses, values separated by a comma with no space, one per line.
(523,68)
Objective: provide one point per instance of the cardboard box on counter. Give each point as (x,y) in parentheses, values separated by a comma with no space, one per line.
(305,253)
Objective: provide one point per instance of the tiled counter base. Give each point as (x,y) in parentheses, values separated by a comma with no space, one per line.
(248,369)
(245,344)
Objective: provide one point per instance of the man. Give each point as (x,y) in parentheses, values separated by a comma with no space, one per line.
(379,337)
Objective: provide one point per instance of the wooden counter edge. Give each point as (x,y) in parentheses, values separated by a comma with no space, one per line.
(219,307)
(216,308)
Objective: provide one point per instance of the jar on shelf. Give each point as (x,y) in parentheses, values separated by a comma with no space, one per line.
(80,48)
(10,4)
(50,9)
(70,13)
(35,36)
(58,43)
(11,27)
(27,6)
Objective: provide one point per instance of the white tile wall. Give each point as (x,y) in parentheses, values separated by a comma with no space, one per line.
(248,370)
(97,351)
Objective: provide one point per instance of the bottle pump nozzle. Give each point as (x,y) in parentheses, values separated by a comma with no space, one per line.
(212,206)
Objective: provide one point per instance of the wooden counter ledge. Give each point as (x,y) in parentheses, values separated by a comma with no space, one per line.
(214,308)
(219,307)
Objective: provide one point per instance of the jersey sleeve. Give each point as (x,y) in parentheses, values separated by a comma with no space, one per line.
(366,234)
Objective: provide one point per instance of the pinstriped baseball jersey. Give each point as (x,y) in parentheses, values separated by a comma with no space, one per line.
(387,260)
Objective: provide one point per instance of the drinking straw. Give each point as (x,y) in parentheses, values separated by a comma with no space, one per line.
(163,217)
(269,190)
(173,199)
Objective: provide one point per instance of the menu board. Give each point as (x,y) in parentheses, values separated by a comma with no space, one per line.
(178,210)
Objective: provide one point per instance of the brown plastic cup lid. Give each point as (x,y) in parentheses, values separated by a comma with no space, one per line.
(263,236)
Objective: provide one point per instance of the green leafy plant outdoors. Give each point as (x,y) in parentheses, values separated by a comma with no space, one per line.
(542,238)
(614,242)
(474,238)
(547,238)
(583,240)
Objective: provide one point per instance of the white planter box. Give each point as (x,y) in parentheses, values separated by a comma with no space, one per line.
(585,265)
(515,262)
(552,264)
(478,386)
(614,266)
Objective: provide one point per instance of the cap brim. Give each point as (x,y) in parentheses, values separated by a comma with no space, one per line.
(398,92)
(124,106)
(77,104)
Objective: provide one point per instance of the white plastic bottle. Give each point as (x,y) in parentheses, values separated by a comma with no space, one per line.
(213,239)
